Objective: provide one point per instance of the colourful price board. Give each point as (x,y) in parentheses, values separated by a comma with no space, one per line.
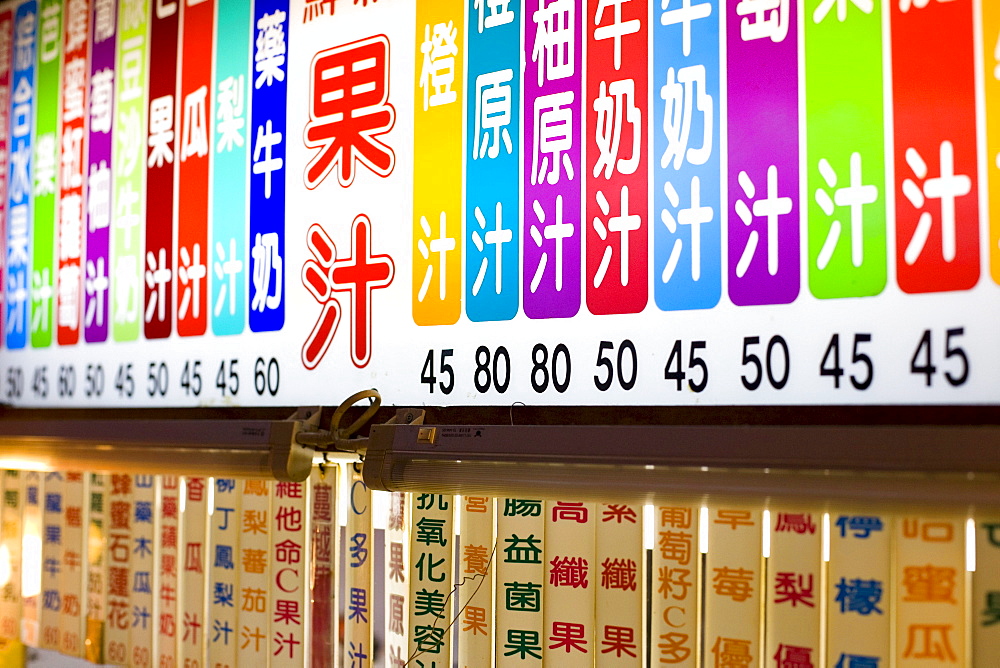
(575,202)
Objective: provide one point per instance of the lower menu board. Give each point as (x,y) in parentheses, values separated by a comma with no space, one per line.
(464,202)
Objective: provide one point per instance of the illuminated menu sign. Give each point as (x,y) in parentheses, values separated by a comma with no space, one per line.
(572,202)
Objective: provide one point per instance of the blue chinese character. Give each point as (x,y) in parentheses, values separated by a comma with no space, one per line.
(143,547)
(223,595)
(860,525)
(143,511)
(857,661)
(359,553)
(224,557)
(53,503)
(860,596)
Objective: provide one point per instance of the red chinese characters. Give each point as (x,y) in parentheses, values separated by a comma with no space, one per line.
(348,110)
(358,274)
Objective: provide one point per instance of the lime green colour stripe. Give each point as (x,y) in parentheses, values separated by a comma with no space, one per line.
(129,169)
(46,168)
(845,148)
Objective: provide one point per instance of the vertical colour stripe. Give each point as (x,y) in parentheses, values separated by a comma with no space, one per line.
(161,154)
(43,232)
(22,117)
(72,166)
(129,168)
(437,162)
(195,102)
(553,132)
(231,102)
(269,137)
(492,161)
(99,175)
(617,177)
(763,155)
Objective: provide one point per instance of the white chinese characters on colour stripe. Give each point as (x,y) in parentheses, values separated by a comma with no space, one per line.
(269,57)
(437,73)
(854,195)
(500,13)
(158,275)
(226,269)
(104,19)
(161,131)
(771,206)
(553,138)
(686,14)
(617,29)
(194,126)
(99,197)
(557,230)
(555,49)
(41,297)
(493,114)
(50,39)
(126,289)
(685,98)
(266,261)
(695,215)
(769,19)
(96,285)
(622,224)
(823,8)
(264,161)
(947,187)
(191,273)
(71,175)
(441,245)
(45,164)
(612,112)
(76,24)
(73,89)
(229,114)
(496,237)
(69,308)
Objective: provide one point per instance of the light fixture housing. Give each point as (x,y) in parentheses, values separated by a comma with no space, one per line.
(195,447)
(902,465)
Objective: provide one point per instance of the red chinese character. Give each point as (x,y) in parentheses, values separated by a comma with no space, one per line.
(290,642)
(287,612)
(573,512)
(791,656)
(568,572)
(618,513)
(121,511)
(800,523)
(288,552)
(288,519)
(794,588)
(289,490)
(349,108)
(618,574)
(192,558)
(169,507)
(568,636)
(619,639)
(168,538)
(74,516)
(358,275)
(322,505)
(191,626)
(195,489)
(121,484)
